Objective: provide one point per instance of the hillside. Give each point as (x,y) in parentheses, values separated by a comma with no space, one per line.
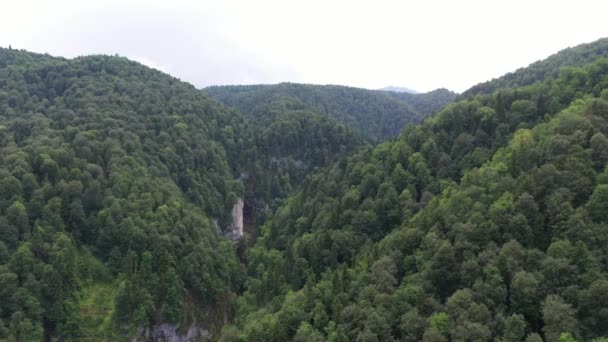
(368,215)
(118,182)
(426,103)
(548,68)
(375,114)
(287,142)
(485,222)
(111,174)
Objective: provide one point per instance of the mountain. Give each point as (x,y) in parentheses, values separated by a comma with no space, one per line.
(426,103)
(111,175)
(399,90)
(352,214)
(548,68)
(487,221)
(118,183)
(375,114)
(287,141)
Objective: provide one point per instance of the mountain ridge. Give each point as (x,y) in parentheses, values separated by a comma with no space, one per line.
(378,115)
(480,218)
(575,56)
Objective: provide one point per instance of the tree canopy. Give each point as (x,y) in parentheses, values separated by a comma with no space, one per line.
(382,216)
(484,222)
(377,115)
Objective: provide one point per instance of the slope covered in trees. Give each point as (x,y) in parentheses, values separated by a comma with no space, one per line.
(548,68)
(426,103)
(485,222)
(375,114)
(287,142)
(114,179)
(110,175)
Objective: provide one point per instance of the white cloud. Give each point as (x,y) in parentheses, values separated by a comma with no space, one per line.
(419,44)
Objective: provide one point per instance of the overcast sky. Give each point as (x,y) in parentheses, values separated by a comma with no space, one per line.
(423,45)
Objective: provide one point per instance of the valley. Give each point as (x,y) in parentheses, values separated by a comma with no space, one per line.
(136,207)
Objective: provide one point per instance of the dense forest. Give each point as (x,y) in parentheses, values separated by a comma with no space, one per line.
(485,222)
(117,185)
(377,115)
(381,216)
(425,103)
(286,140)
(548,68)
(111,175)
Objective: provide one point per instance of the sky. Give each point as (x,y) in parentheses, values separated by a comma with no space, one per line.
(421,45)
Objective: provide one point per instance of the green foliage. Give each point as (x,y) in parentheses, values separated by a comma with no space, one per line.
(426,103)
(598,204)
(534,337)
(110,174)
(566,337)
(377,115)
(548,68)
(515,327)
(558,317)
(439,321)
(484,222)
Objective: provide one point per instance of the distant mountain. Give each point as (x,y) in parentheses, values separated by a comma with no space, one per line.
(377,115)
(540,70)
(426,103)
(400,90)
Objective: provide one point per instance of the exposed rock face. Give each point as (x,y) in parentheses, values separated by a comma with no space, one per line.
(234,230)
(237,218)
(168,333)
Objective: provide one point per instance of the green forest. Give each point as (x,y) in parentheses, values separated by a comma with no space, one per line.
(376,115)
(370,215)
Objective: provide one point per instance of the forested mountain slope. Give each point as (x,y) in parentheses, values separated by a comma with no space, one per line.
(287,142)
(115,181)
(426,103)
(484,222)
(375,114)
(110,173)
(540,70)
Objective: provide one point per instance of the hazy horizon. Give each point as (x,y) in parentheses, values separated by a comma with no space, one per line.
(359,44)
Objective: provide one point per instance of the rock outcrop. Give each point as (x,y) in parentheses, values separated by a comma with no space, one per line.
(237,217)
(168,333)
